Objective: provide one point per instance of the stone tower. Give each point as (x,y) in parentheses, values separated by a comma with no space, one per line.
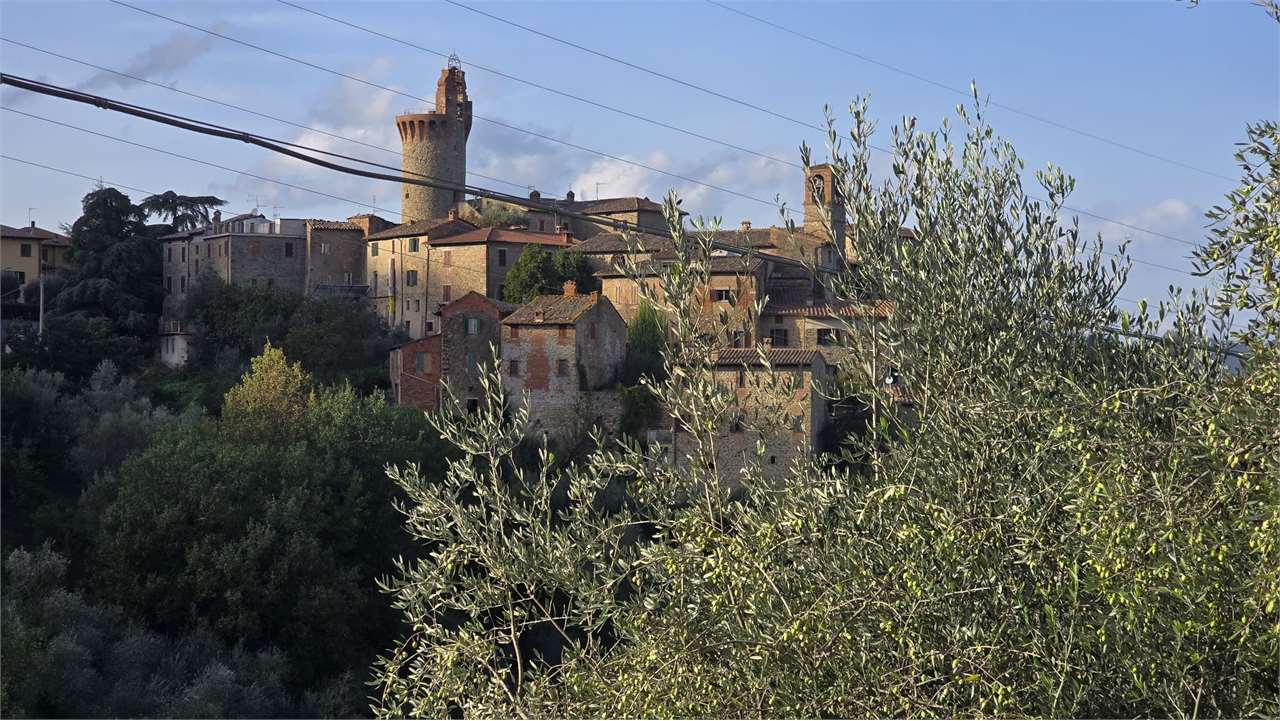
(820,192)
(435,146)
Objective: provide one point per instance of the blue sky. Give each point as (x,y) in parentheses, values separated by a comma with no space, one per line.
(1174,81)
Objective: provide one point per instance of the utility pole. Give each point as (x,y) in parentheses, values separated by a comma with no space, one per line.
(40,322)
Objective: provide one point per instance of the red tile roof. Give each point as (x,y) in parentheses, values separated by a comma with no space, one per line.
(433,228)
(554,309)
(776,356)
(33,233)
(869,309)
(505,235)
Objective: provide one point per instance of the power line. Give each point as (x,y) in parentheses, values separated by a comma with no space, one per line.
(530,83)
(758,108)
(950,88)
(492,121)
(241,108)
(283,147)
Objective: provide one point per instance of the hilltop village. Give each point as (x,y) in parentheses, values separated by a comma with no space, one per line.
(439,276)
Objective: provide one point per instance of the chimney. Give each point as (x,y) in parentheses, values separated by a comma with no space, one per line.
(562,227)
(453,213)
(535,195)
(745,226)
(570,288)
(217,216)
(33,225)
(569,196)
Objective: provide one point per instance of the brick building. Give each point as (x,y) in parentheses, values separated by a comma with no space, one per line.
(469,327)
(562,353)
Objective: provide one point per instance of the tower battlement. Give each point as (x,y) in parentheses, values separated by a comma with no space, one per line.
(435,148)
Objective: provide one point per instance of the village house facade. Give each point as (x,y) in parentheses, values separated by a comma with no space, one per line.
(561,354)
(29,252)
(470,327)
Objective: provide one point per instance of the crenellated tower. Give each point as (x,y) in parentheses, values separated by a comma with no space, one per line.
(435,146)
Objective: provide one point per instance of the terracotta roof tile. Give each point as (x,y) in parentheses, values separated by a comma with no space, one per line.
(607,243)
(554,309)
(869,309)
(505,235)
(631,204)
(776,356)
(333,225)
(34,233)
(433,228)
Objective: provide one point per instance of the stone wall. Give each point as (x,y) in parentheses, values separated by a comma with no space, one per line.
(413,387)
(263,259)
(335,256)
(463,355)
(435,146)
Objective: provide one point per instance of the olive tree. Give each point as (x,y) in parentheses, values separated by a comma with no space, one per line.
(1077,517)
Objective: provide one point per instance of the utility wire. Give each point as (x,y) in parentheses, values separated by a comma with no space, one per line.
(492,121)
(284,148)
(241,108)
(761,109)
(953,89)
(539,86)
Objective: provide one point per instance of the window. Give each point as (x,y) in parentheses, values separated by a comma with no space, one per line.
(183,284)
(562,367)
(515,332)
(542,225)
(170,254)
(431,326)
(413,245)
(513,368)
(373,249)
(408,328)
(797,423)
(471,360)
(501,289)
(375,282)
(420,362)
(346,277)
(742,378)
(168,284)
(502,257)
(288,250)
(826,336)
(779,337)
(447,293)
(722,295)
(472,326)
(735,426)
(44,254)
(473,406)
(737,339)
(184,255)
(417,305)
(324,249)
(411,277)
(22,277)
(197,267)
(197,251)
(448,258)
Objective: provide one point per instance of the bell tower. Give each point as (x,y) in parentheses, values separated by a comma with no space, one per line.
(820,193)
(435,146)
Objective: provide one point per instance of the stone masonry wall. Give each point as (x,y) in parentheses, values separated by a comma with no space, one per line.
(334,257)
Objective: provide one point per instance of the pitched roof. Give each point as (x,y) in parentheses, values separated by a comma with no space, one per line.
(629,204)
(505,235)
(718,265)
(33,233)
(503,307)
(776,356)
(433,228)
(333,225)
(554,309)
(868,309)
(614,242)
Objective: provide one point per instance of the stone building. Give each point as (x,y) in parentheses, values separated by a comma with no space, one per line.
(335,258)
(561,354)
(786,412)
(416,268)
(435,148)
(469,327)
(641,214)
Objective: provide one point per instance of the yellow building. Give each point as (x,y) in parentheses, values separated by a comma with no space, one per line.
(24,252)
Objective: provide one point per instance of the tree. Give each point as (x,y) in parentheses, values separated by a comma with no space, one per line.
(501,215)
(269,524)
(1067,528)
(182,212)
(646,338)
(538,272)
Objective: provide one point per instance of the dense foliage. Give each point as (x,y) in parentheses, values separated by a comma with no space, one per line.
(1077,517)
(538,272)
(181,212)
(267,525)
(335,339)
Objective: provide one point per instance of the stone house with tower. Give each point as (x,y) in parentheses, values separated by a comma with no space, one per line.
(434,147)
